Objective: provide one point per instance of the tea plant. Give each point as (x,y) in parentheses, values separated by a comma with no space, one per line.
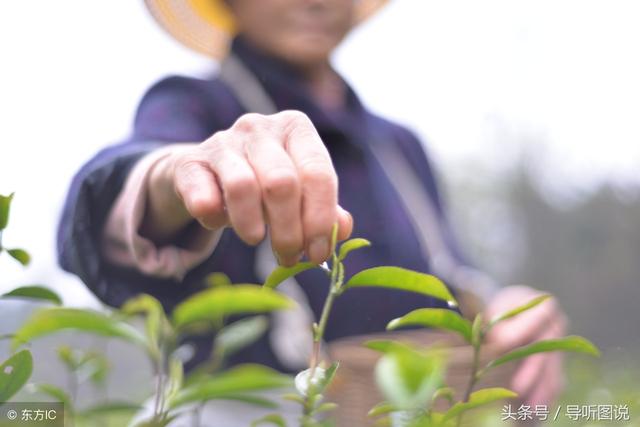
(313,382)
(84,366)
(203,312)
(16,371)
(412,379)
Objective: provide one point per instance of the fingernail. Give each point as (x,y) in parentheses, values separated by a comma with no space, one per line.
(343,211)
(288,261)
(319,249)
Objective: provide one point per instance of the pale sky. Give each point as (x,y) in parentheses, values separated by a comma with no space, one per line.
(471,78)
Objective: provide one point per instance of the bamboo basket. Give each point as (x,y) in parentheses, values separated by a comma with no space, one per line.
(354,388)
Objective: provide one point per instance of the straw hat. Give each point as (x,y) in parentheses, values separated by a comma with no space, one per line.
(207,26)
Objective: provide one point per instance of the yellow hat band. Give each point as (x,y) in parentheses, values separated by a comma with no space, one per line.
(207,26)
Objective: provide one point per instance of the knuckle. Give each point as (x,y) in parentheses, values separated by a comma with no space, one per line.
(318,174)
(280,183)
(240,188)
(294,120)
(293,116)
(250,123)
(185,169)
(217,147)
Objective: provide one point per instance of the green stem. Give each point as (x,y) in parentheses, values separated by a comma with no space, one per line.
(337,277)
(159,389)
(322,325)
(334,288)
(159,363)
(474,378)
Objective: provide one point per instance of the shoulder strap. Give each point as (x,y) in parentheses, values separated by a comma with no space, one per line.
(245,86)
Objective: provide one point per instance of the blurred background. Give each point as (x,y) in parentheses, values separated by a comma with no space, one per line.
(529,109)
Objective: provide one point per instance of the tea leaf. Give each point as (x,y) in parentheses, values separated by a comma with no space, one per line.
(57,393)
(401,279)
(156,321)
(352,245)
(68,356)
(574,344)
(385,346)
(274,419)
(516,311)
(176,377)
(280,273)
(14,374)
(409,378)
(213,304)
(51,320)
(441,318)
(34,292)
(326,407)
(89,364)
(240,334)
(20,255)
(293,397)
(446,393)
(329,375)
(479,398)
(437,420)
(234,382)
(477,334)
(217,279)
(382,408)
(109,408)
(251,399)
(5,207)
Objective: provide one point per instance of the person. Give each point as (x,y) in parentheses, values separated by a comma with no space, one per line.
(213,168)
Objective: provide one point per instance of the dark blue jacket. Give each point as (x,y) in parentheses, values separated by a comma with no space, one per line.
(180,109)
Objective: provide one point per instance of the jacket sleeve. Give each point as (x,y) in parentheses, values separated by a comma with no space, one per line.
(174,110)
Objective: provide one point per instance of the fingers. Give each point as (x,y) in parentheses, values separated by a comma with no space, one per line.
(528,326)
(196,185)
(528,373)
(345,224)
(281,197)
(318,180)
(539,378)
(536,379)
(546,393)
(241,193)
(267,171)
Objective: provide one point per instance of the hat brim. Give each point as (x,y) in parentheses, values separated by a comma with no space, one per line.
(207,26)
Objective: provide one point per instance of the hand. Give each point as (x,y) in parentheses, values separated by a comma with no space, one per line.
(265,171)
(539,379)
